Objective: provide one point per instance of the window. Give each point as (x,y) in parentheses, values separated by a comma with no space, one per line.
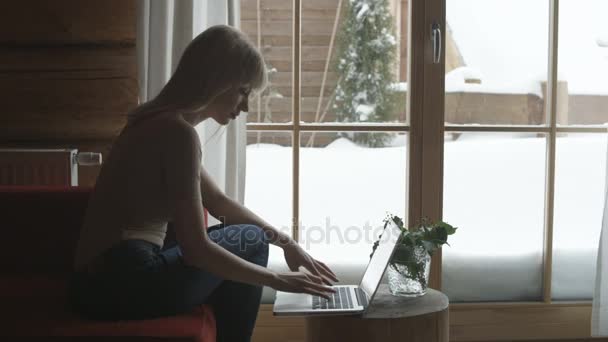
(490,137)
(523,149)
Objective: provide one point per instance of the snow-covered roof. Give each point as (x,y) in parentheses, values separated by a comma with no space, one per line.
(506,43)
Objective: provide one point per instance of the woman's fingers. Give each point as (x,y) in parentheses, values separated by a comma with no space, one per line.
(317,286)
(324,273)
(316,268)
(320,278)
(316,293)
(326,270)
(310,266)
(305,282)
(323,276)
(314,281)
(312,278)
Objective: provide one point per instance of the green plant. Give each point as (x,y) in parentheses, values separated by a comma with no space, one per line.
(428,236)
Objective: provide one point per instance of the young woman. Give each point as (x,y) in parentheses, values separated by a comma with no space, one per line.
(153,176)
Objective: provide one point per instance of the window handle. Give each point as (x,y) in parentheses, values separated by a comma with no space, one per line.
(436,37)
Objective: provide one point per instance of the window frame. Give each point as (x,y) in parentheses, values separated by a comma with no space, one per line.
(498,320)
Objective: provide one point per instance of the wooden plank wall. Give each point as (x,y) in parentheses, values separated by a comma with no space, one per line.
(275,21)
(67,74)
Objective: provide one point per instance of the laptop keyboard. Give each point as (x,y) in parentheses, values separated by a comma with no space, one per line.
(341,299)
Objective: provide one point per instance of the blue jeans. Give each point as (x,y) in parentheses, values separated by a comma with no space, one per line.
(138,280)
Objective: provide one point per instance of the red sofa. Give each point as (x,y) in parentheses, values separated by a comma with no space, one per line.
(40,227)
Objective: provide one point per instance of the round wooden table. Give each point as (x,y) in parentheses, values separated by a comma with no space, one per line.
(390,318)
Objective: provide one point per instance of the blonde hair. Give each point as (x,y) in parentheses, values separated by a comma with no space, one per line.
(219,58)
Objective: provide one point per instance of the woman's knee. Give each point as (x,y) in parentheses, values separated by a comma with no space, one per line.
(255,242)
(245,240)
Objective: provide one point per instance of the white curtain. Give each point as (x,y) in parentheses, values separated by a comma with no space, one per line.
(164,29)
(599,313)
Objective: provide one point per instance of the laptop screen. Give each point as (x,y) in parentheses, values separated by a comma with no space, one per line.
(379,261)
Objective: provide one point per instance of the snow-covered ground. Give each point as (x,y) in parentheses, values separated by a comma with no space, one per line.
(494,192)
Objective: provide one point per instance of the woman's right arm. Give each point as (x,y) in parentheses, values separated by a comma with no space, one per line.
(182,167)
(200,251)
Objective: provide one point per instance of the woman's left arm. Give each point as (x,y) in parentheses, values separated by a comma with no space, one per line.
(231,212)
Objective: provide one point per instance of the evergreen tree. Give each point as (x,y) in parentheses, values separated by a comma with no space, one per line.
(366,51)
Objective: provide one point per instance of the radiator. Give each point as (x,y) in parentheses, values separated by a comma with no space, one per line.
(50,167)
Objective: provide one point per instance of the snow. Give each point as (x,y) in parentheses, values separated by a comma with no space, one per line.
(364,111)
(362,11)
(513,58)
(341,143)
(602,41)
(494,192)
(456,81)
(399,86)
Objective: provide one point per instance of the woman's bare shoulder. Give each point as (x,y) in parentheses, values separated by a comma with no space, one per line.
(178,131)
(168,127)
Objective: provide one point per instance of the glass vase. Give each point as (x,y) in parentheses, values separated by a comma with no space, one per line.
(408,271)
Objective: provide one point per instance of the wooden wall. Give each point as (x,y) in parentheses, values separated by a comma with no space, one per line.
(67,73)
(273,20)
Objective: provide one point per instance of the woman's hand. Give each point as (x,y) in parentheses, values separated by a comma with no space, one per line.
(300,282)
(296,256)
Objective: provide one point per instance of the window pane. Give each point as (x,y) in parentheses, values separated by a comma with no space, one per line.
(496,61)
(582,96)
(494,188)
(270,29)
(345,192)
(268,184)
(356,73)
(580,174)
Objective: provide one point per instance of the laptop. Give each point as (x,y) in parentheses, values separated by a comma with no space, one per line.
(348,299)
